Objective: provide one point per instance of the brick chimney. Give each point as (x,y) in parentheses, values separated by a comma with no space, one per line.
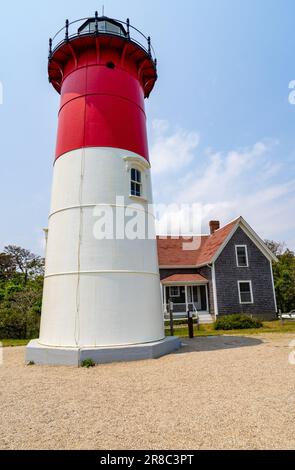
(214,225)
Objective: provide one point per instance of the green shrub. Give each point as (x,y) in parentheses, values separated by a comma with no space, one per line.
(87,363)
(12,324)
(15,324)
(236,322)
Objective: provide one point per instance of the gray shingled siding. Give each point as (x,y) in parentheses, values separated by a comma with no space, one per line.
(227,275)
(204,271)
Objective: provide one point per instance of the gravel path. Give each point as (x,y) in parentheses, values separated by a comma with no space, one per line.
(222,392)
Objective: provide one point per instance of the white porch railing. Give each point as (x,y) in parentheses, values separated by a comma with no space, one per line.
(180,312)
(189,298)
(180,308)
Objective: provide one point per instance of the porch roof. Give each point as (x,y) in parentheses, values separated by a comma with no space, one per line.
(178,279)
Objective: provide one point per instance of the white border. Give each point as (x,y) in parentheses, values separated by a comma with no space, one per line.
(251,291)
(237,259)
(214,290)
(142,166)
(273,286)
(178,290)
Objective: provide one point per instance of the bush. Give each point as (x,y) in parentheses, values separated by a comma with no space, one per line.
(87,363)
(12,325)
(20,309)
(236,322)
(17,325)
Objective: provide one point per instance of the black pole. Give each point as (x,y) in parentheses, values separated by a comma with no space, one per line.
(149,45)
(190,323)
(50,49)
(67,31)
(96,23)
(128,28)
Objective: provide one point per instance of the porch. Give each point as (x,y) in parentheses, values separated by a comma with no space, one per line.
(186,292)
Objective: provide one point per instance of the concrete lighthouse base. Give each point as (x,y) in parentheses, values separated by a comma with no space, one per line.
(50,355)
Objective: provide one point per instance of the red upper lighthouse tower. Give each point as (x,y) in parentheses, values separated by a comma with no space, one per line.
(103,71)
(102,296)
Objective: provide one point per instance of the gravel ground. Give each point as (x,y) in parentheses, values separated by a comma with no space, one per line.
(216,393)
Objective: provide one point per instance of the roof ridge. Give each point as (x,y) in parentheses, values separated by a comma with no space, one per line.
(228,223)
(199,234)
(171,252)
(183,235)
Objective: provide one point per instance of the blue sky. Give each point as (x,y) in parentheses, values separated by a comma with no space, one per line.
(221,127)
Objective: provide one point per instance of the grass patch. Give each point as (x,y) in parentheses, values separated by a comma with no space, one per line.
(208,330)
(14,342)
(204,330)
(181,321)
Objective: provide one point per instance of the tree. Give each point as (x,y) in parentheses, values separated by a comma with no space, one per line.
(21,284)
(284,278)
(20,308)
(26,262)
(284,275)
(7,266)
(277,248)
(27,305)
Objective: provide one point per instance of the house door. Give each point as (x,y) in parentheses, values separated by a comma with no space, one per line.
(192,296)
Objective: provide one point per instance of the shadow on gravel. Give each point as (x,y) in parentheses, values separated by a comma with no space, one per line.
(213,343)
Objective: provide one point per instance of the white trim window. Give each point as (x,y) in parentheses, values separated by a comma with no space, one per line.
(135,182)
(174,291)
(242,256)
(245,292)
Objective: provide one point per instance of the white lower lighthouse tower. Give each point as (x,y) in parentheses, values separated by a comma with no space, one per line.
(102,295)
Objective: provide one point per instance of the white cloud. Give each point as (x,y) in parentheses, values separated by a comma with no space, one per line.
(247,181)
(171,151)
(225,175)
(178,219)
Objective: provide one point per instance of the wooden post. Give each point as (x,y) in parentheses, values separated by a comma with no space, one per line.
(190,323)
(171,317)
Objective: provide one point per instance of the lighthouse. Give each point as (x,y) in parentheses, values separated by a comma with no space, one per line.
(102,297)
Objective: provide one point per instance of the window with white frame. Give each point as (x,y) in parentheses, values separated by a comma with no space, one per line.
(174,291)
(135,183)
(242,256)
(245,292)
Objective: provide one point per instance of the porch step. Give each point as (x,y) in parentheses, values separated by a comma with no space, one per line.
(205,318)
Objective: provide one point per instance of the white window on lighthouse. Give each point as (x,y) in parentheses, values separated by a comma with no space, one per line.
(135,183)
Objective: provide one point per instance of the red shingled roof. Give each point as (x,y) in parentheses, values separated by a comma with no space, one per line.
(184,278)
(176,251)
